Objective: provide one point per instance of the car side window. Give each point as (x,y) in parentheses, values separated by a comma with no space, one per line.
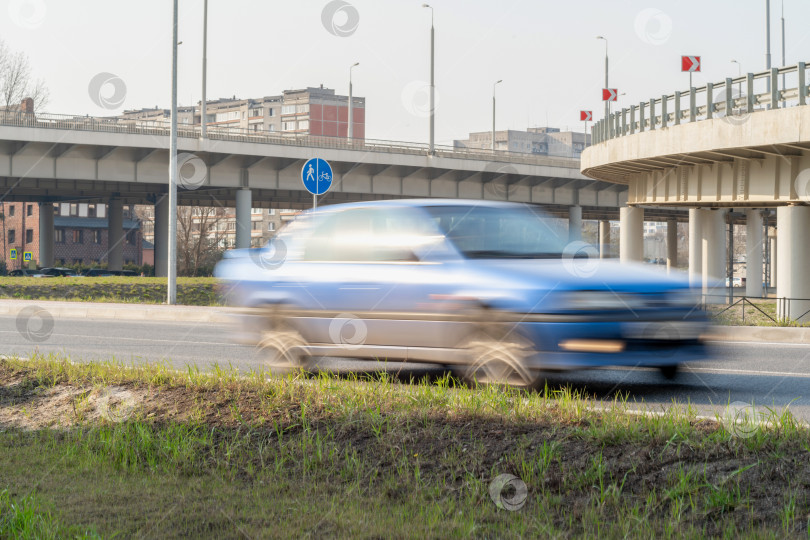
(366,235)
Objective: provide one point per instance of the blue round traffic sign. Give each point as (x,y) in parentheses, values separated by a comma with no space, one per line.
(317,176)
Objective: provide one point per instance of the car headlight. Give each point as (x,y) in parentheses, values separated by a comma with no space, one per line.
(600,300)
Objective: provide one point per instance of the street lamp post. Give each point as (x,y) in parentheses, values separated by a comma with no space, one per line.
(607,102)
(171,288)
(432,83)
(739,75)
(493,113)
(203,127)
(351,120)
(768,40)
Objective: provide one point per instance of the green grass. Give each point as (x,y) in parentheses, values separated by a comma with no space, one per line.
(230,454)
(190,291)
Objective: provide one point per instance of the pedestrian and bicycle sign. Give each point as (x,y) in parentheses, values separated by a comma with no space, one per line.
(610,94)
(690,63)
(586,116)
(13,255)
(317,176)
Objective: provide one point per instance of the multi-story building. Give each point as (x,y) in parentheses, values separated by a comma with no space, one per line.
(315,111)
(544,141)
(80,233)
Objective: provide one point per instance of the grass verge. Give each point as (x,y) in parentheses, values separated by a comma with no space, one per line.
(148,451)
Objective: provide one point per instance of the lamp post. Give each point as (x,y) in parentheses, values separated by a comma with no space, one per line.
(432,83)
(768,40)
(203,127)
(493,113)
(351,120)
(739,74)
(607,103)
(171,288)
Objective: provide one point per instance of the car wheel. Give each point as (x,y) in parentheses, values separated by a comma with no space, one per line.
(284,346)
(669,372)
(497,356)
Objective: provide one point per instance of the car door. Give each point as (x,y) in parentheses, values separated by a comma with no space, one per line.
(369,282)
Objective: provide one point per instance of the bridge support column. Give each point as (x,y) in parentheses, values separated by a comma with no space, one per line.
(672,244)
(695,249)
(773,253)
(604,239)
(46,234)
(574,223)
(753,253)
(115,235)
(243,203)
(631,229)
(713,254)
(162,235)
(793,260)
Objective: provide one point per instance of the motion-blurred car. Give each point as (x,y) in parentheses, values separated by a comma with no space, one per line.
(26,273)
(97,272)
(59,272)
(487,288)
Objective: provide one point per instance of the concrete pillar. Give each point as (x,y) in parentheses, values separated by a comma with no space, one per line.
(695,250)
(713,255)
(672,244)
(753,253)
(604,239)
(792,262)
(46,234)
(244,202)
(631,229)
(773,249)
(162,235)
(115,235)
(574,223)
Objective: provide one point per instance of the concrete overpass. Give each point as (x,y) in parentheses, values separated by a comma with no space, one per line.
(741,143)
(50,158)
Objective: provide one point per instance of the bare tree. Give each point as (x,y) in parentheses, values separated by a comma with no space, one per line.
(16,81)
(199,237)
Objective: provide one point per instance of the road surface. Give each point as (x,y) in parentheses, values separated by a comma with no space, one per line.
(767,374)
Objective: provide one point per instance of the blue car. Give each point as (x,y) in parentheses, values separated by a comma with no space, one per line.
(486,288)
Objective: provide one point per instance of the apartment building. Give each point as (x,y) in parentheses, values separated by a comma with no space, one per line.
(315,111)
(544,141)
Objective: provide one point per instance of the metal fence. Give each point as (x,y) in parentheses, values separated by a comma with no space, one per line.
(782,306)
(734,98)
(162,129)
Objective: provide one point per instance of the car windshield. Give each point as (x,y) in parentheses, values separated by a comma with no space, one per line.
(486,232)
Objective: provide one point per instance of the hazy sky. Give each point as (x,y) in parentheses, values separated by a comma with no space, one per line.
(545,52)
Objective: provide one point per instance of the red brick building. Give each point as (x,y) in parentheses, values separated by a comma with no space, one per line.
(80,233)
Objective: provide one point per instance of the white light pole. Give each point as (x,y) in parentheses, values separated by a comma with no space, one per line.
(768,40)
(607,102)
(783,43)
(203,127)
(493,113)
(432,84)
(171,296)
(350,132)
(739,74)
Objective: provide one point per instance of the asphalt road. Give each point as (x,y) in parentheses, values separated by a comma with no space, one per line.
(767,374)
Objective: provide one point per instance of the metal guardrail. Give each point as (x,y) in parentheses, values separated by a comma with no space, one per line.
(162,129)
(703,104)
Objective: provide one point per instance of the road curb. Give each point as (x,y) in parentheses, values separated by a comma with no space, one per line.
(756,334)
(123,312)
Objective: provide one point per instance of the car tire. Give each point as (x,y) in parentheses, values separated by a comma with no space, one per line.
(496,356)
(285,347)
(669,372)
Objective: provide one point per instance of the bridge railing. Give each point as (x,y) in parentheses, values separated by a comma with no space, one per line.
(734,99)
(161,128)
